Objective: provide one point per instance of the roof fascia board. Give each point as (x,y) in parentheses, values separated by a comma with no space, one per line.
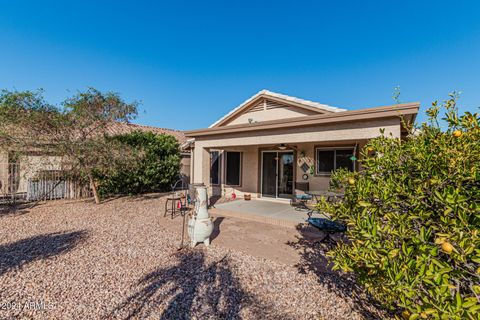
(354,115)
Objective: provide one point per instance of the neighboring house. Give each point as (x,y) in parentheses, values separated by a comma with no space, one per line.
(14,175)
(273,145)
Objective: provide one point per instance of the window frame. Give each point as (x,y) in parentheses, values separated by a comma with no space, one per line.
(334,149)
(219,160)
(240,169)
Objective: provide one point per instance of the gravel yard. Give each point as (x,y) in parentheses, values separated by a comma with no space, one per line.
(119,260)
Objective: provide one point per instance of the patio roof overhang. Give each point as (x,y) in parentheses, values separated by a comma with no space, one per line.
(407,111)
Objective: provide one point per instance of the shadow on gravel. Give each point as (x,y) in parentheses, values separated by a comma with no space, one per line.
(192,289)
(16,254)
(313,259)
(150,196)
(135,198)
(14,209)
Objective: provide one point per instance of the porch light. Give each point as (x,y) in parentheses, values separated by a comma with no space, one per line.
(282,147)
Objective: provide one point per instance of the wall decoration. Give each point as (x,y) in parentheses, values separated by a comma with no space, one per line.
(305,167)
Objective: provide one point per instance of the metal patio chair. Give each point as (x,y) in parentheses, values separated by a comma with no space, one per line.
(178,199)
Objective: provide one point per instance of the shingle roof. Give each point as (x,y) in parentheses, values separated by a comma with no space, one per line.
(125,128)
(267,93)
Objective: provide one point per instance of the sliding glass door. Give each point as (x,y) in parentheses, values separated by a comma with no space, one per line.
(277,174)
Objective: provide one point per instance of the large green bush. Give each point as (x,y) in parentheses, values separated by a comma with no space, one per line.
(154,167)
(413,214)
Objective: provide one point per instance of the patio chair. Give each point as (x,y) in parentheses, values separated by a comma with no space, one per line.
(179,199)
(300,203)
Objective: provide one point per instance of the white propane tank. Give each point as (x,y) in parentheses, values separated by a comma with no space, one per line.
(200,225)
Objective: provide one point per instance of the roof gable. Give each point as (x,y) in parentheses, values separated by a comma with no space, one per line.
(267,105)
(405,111)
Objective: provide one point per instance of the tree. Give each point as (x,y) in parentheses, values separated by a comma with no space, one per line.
(156,165)
(413,216)
(76,131)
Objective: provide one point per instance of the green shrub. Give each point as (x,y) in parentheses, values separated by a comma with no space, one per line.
(155,165)
(413,216)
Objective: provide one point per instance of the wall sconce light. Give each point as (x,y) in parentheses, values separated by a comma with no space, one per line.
(282,147)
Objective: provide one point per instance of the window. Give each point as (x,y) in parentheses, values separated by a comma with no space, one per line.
(215,167)
(233,163)
(329,159)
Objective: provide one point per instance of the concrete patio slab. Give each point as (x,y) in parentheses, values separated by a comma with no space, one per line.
(273,212)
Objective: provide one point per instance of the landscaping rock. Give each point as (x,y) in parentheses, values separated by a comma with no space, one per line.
(117,260)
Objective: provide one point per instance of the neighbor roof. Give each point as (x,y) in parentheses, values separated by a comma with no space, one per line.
(284,97)
(125,128)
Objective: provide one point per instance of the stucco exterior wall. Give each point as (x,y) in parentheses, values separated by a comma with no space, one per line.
(320,182)
(31,165)
(201,161)
(185,162)
(304,138)
(271,114)
(323,133)
(249,173)
(251,168)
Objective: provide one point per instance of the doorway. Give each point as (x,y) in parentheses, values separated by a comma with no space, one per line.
(277,174)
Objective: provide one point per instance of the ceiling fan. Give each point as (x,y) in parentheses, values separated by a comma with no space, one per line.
(284,146)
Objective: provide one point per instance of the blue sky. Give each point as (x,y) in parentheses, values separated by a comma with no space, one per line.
(190,62)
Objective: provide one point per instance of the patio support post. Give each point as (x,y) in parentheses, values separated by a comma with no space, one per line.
(192,165)
(201,170)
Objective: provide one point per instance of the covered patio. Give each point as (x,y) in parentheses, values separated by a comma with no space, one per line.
(267,211)
(271,209)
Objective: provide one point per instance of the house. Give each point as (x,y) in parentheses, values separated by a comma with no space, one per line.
(273,145)
(15,174)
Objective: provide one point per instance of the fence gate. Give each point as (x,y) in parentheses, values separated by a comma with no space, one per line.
(20,185)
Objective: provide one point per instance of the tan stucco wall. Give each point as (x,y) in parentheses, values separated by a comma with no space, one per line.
(251,166)
(28,166)
(185,162)
(322,182)
(304,138)
(271,114)
(249,173)
(31,165)
(201,162)
(334,132)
